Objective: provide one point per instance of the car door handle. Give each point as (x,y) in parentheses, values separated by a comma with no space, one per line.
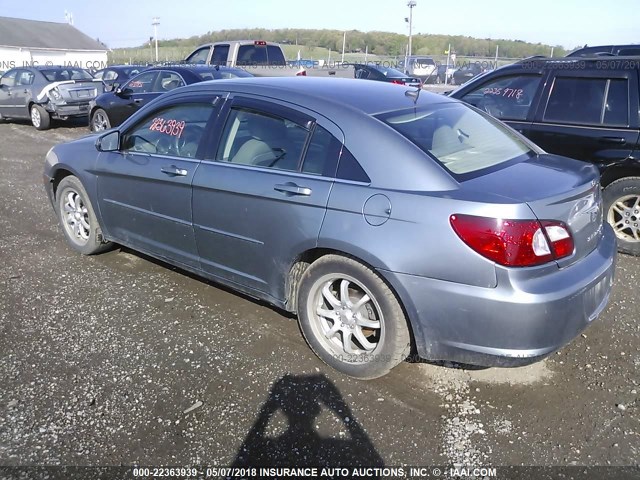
(174,171)
(138,100)
(292,189)
(614,140)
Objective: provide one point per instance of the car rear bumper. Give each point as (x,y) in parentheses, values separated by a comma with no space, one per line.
(522,320)
(69,110)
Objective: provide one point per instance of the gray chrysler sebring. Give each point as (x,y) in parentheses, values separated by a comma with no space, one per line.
(389,219)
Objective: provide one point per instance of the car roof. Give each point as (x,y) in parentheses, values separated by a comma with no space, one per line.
(322,94)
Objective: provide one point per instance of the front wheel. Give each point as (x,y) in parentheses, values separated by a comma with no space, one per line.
(77,217)
(622,209)
(40,118)
(100,121)
(351,318)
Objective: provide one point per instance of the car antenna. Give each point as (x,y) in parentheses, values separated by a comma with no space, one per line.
(415,94)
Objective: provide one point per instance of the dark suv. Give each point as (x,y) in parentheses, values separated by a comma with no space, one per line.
(584,108)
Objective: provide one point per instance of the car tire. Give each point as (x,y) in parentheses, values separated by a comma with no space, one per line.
(360,337)
(622,211)
(40,118)
(77,217)
(99,121)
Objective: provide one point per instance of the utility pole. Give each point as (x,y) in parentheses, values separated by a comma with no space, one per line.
(155,23)
(411,4)
(344,42)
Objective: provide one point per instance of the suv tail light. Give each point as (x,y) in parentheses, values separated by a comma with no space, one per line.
(514,243)
(301,73)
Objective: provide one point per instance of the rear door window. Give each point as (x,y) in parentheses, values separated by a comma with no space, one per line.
(220,55)
(588,101)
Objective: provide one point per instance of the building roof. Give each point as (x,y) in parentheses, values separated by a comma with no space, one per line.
(19,32)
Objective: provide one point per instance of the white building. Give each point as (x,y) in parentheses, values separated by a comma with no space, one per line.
(30,42)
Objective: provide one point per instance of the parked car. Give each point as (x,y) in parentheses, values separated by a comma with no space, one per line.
(584,108)
(444,73)
(466,72)
(42,93)
(112,108)
(401,218)
(423,68)
(606,50)
(116,75)
(371,71)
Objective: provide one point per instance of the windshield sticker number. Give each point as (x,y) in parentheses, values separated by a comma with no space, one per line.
(168,127)
(504,92)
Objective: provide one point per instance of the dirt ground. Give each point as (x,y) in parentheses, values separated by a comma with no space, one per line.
(118,359)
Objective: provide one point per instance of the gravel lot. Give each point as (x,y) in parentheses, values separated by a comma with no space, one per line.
(119,359)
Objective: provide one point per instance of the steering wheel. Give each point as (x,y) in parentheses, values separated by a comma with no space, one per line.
(187,143)
(491,106)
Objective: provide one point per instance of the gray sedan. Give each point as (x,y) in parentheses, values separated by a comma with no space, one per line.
(42,93)
(391,221)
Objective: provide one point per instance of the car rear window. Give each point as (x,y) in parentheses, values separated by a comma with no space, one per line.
(64,74)
(461,139)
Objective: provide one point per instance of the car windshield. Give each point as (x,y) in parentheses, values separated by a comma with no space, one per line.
(64,74)
(458,137)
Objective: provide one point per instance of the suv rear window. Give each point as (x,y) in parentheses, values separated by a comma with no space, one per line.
(462,140)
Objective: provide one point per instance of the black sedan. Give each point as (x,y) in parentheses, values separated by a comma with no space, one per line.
(116,75)
(112,108)
(466,73)
(381,73)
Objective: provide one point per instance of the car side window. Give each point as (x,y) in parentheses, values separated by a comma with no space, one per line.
(143,83)
(616,105)
(24,77)
(322,153)
(176,131)
(220,55)
(109,75)
(350,169)
(199,56)
(591,101)
(9,78)
(168,81)
(261,139)
(506,98)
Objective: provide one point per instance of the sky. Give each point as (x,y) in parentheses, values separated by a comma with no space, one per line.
(569,23)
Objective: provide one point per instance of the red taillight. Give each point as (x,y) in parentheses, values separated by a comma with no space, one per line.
(397,82)
(514,243)
(301,73)
(260,43)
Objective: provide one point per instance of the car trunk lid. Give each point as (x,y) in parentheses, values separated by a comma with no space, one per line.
(554,188)
(74,91)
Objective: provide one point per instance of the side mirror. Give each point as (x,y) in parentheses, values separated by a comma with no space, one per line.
(109,142)
(123,92)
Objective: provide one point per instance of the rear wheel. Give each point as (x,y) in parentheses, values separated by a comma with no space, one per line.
(77,217)
(622,208)
(100,121)
(351,319)
(40,118)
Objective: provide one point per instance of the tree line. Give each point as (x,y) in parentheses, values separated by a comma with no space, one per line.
(377,43)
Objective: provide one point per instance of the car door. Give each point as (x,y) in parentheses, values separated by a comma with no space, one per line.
(7,104)
(21,92)
(511,98)
(137,92)
(587,114)
(255,203)
(144,188)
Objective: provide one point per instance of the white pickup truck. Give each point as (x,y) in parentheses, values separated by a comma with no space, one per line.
(262,59)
